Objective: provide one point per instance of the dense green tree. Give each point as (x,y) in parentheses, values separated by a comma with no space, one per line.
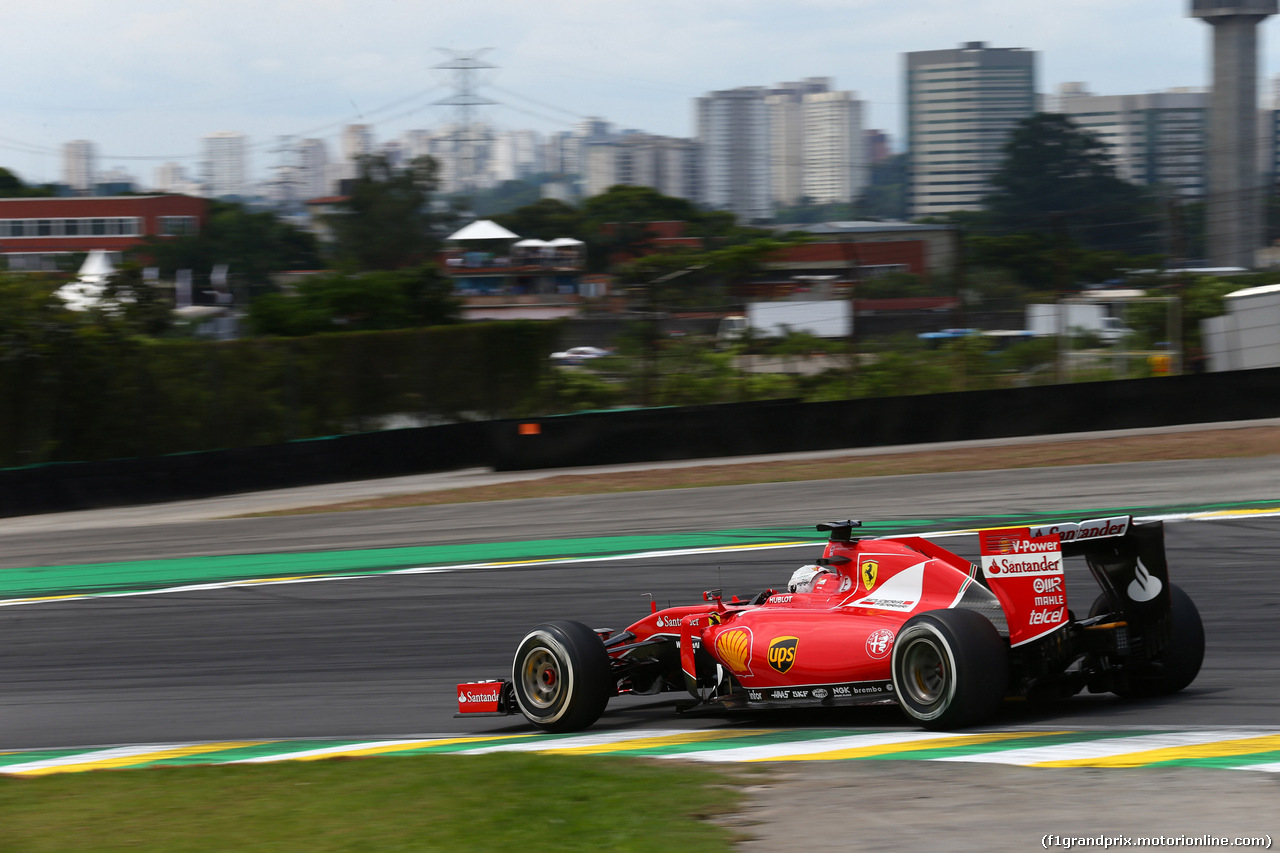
(1060,179)
(11,186)
(385,222)
(253,245)
(377,300)
(505,197)
(545,219)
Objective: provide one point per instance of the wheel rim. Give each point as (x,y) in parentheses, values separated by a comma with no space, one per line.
(540,677)
(926,672)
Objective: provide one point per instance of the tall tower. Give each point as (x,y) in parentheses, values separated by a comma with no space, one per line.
(962,106)
(1234,210)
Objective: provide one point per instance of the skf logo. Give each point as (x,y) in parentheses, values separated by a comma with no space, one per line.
(879,643)
(869,570)
(782,652)
(733,648)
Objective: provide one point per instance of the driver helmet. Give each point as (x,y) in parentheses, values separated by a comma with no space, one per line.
(803,578)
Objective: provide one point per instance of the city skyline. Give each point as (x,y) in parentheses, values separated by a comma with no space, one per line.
(309,69)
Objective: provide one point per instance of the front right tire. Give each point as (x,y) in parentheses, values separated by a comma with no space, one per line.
(950,668)
(562,677)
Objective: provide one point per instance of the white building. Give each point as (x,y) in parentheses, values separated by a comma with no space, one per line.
(667,164)
(517,154)
(786,136)
(80,165)
(1155,138)
(312,159)
(355,142)
(734,131)
(962,106)
(226,164)
(835,169)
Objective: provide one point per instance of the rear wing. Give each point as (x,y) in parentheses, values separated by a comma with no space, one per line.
(1023,566)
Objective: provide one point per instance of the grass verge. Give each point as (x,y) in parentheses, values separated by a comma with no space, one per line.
(1211,444)
(426,803)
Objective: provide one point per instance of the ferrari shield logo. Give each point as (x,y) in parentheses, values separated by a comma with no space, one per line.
(869,569)
(782,652)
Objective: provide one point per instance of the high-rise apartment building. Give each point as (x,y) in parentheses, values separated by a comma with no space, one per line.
(356,142)
(80,165)
(787,134)
(1157,138)
(226,166)
(667,164)
(962,106)
(312,157)
(834,150)
(734,133)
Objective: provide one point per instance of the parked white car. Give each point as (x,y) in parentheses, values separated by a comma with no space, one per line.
(579,355)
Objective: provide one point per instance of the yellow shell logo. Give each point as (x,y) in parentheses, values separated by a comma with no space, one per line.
(869,569)
(734,649)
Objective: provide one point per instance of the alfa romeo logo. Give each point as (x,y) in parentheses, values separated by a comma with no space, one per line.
(879,643)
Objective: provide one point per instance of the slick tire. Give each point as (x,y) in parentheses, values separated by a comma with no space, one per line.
(1179,663)
(950,668)
(561,676)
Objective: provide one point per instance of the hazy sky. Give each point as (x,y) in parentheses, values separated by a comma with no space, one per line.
(147,79)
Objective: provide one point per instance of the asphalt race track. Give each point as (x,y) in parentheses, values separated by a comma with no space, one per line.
(379,657)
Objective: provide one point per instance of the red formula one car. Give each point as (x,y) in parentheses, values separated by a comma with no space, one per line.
(887,619)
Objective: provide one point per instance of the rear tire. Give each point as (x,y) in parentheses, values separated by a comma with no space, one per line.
(561,676)
(950,668)
(1179,663)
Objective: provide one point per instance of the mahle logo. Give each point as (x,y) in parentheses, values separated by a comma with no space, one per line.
(869,570)
(782,652)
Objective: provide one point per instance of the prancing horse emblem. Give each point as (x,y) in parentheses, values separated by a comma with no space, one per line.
(869,568)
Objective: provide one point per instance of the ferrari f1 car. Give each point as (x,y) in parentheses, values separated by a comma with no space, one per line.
(895,619)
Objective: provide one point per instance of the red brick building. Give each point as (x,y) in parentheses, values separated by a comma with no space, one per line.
(34,232)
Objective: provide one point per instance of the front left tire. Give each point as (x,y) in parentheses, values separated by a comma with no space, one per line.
(561,676)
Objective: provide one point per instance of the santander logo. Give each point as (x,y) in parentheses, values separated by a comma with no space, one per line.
(1144,586)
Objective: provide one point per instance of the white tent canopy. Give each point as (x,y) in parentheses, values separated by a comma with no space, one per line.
(86,291)
(483,229)
(565,241)
(531,243)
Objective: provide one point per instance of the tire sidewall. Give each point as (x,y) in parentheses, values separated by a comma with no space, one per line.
(552,640)
(978,661)
(923,630)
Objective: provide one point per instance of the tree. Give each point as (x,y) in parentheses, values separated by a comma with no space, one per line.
(11,186)
(1057,178)
(385,222)
(545,219)
(254,245)
(336,301)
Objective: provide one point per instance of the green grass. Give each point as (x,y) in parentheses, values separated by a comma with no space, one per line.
(429,803)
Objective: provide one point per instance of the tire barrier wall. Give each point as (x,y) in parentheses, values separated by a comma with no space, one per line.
(600,438)
(647,435)
(60,487)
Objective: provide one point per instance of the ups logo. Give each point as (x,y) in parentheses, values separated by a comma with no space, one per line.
(782,652)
